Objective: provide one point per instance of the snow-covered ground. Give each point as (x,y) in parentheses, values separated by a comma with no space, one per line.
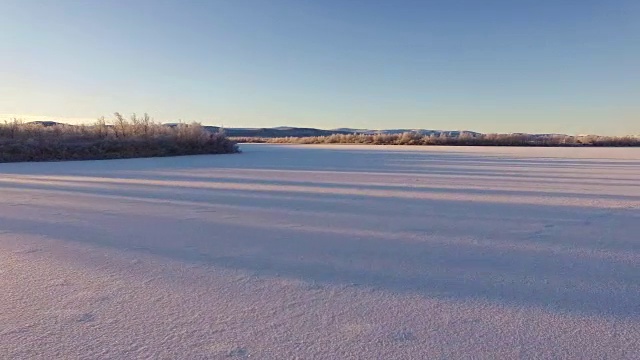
(335,252)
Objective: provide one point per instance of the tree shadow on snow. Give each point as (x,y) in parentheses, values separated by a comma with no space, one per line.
(561,258)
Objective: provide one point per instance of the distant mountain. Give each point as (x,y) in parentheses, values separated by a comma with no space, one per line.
(354,131)
(46,123)
(291,131)
(276,132)
(286,131)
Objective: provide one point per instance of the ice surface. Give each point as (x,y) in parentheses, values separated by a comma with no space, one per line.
(324,252)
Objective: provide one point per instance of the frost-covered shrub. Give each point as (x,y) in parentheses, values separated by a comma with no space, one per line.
(124,138)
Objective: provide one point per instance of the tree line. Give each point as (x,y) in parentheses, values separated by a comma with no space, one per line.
(136,136)
(461,139)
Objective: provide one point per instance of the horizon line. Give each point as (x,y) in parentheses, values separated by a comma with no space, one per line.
(88,122)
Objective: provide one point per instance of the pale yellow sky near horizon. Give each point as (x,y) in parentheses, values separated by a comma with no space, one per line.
(26,117)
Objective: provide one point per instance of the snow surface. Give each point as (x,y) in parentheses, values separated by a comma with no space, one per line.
(334,252)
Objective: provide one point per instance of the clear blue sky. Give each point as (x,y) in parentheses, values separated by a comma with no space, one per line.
(490,66)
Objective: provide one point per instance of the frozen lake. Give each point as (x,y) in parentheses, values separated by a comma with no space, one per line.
(324,252)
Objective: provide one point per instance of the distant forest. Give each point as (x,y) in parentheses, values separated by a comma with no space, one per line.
(461,139)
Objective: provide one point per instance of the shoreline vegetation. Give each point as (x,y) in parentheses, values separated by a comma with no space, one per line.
(464,139)
(122,138)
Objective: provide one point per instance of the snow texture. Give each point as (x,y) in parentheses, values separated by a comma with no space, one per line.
(324,252)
